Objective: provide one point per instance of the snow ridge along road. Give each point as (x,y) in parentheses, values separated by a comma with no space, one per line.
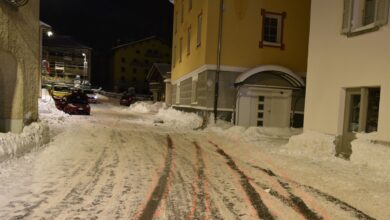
(121,165)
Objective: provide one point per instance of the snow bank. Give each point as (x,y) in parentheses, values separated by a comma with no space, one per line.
(255,135)
(146,107)
(311,144)
(13,145)
(48,110)
(178,119)
(366,152)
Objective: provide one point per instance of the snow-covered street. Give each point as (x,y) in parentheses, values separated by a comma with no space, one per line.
(121,164)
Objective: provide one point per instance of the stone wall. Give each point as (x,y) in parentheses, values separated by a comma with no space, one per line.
(19,65)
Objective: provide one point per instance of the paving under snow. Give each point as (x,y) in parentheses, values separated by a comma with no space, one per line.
(148,162)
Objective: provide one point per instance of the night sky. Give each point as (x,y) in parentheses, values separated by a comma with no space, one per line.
(100,24)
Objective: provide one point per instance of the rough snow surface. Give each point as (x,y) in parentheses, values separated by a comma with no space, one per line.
(366,152)
(311,144)
(13,145)
(177,119)
(118,164)
(146,107)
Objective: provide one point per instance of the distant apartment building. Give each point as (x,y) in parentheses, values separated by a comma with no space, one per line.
(132,61)
(348,83)
(64,59)
(245,60)
(19,63)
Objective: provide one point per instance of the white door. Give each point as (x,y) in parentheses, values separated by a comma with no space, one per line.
(266,108)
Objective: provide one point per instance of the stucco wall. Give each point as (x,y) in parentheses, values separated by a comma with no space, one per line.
(337,62)
(19,42)
(242,33)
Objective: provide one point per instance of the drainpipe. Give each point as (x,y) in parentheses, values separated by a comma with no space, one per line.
(219,50)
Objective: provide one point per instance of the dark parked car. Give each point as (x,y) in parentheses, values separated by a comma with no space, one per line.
(127,99)
(75,104)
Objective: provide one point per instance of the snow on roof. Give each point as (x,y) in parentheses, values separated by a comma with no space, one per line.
(63,41)
(136,42)
(162,68)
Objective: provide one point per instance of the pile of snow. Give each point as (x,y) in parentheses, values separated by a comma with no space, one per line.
(311,144)
(178,119)
(33,136)
(253,134)
(47,108)
(368,153)
(147,107)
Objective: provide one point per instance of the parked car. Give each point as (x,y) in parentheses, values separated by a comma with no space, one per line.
(127,99)
(75,104)
(92,96)
(60,91)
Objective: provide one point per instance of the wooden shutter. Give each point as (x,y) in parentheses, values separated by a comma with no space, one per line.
(382,12)
(347,16)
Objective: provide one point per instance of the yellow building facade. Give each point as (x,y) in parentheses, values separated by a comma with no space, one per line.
(257,49)
(132,62)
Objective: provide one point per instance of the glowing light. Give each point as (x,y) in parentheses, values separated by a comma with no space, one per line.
(50,33)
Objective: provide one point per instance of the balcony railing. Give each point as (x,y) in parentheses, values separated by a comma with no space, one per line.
(17,3)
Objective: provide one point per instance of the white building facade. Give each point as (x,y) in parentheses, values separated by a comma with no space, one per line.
(348,81)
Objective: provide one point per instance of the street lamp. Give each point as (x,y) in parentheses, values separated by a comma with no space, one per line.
(85,64)
(49,33)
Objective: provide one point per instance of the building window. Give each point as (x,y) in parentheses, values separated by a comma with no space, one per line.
(194,93)
(182,12)
(123,60)
(123,69)
(189,41)
(361,16)
(174,56)
(180,49)
(134,70)
(273,24)
(176,15)
(189,5)
(138,51)
(199,33)
(178,93)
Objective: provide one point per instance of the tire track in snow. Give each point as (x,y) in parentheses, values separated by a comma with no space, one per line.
(262,210)
(199,208)
(343,205)
(158,192)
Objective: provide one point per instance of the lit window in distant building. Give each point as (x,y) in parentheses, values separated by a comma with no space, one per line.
(199,31)
(273,24)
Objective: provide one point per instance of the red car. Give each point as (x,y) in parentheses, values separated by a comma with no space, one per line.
(75,104)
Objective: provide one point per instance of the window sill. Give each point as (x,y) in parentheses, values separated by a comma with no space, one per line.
(362,30)
(271,44)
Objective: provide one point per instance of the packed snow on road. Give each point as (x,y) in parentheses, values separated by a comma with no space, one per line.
(153,162)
